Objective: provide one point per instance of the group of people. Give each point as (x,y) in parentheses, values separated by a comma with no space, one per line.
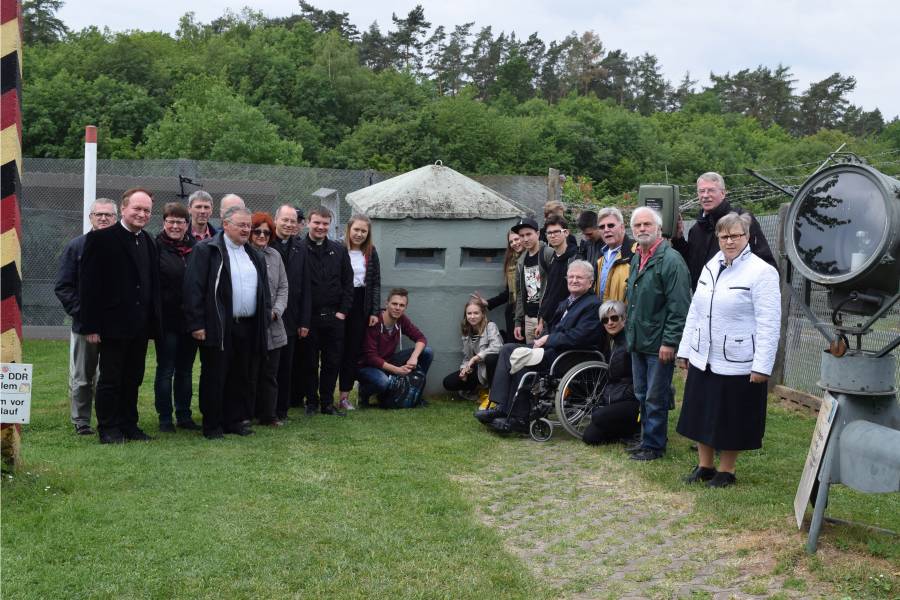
(279,317)
(709,304)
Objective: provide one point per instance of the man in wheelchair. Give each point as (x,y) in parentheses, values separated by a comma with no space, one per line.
(575,325)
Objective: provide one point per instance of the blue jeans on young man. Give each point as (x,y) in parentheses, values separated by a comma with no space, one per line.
(653,388)
(175,354)
(374,381)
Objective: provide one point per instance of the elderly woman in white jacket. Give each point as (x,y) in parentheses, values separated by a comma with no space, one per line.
(729,345)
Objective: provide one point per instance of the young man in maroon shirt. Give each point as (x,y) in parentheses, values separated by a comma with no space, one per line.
(380,358)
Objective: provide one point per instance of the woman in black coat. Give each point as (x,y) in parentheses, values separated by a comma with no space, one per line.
(175,349)
(366,300)
(617,415)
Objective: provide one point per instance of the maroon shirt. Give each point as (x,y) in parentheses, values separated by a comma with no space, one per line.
(380,344)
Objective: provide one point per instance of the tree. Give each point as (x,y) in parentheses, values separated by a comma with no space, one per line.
(514,77)
(823,105)
(763,94)
(678,98)
(584,67)
(375,50)
(407,39)
(484,59)
(40,25)
(617,67)
(862,123)
(648,86)
(324,21)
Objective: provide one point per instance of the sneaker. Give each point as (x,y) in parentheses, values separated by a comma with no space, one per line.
(645,454)
(484,399)
(722,479)
(84,429)
(344,404)
(700,474)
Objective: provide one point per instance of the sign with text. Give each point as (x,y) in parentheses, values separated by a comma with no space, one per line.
(814,457)
(15,393)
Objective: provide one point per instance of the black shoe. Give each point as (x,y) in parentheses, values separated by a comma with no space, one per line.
(700,474)
(633,446)
(136,435)
(310,410)
(188,424)
(645,454)
(214,434)
(509,425)
(166,428)
(722,479)
(113,437)
(241,430)
(331,410)
(489,414)
(84,429)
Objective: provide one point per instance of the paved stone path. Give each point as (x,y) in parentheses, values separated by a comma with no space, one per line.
(586,527)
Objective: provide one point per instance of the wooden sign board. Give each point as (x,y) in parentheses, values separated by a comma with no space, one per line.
(15,393)
(827,412)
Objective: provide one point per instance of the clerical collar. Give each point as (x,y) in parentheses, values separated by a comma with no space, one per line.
(317,243)
(231,244)
(129,230)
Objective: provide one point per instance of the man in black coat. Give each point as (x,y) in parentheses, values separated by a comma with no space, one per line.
(297,314)
(702,243)
(83,357)
(331,297)
(575,326)
(227,303)
(120,310)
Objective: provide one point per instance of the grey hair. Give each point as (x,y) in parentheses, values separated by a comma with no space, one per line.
(105,201)
(615,306)
(713,177)
(732,219)
(610,211)
(656,216)
(199,195)
(236,210)
(584,265)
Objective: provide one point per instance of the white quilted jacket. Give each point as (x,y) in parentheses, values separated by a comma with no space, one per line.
(735,317)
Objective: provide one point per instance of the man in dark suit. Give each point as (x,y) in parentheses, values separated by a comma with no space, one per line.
(120,310)
(226,304)
(575,326)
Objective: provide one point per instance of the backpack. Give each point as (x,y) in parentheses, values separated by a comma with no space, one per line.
(404,391)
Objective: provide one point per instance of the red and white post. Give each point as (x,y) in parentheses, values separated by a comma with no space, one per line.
(90,174)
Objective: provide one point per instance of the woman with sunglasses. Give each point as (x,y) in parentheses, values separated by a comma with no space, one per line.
(616,418)
(176,350)
(366,300)
(276,338)
(728,348)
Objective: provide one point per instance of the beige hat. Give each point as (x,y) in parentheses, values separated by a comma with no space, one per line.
(524,357)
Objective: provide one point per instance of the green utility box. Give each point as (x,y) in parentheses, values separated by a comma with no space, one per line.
(663,198)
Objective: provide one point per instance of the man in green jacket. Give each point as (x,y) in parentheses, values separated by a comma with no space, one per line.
(658,297)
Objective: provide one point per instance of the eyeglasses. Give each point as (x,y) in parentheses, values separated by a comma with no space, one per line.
(610,319)
(733,237)
(262,232)
(176,222)
(104,215)
(555,232)
(240,226)
(607,226)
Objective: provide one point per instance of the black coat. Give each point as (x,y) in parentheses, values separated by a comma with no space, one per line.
(556,288)
(372,302)
(577,328)
(207,293)
(172,266)
(297,313)
(619,386)
(67,281)
(702,243)
(112,301)
(330,276)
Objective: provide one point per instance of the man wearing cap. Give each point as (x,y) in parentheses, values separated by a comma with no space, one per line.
(574,325)
(531,279)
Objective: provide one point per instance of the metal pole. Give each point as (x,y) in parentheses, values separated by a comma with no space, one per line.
(90,174)
(815,524)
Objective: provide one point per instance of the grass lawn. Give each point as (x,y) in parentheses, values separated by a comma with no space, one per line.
(379,504)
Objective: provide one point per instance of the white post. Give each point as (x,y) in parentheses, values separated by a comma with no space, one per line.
(90,174)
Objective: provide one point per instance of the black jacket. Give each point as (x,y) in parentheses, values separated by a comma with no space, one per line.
(67,280)
(702,244)
(556,287)
(207,293)
(113,303)
(619,387)
(172,266)
(372,303)
(591,251)
(574,328)
(297,313)
(330,276)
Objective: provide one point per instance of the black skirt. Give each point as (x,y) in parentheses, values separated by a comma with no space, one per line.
(726,412)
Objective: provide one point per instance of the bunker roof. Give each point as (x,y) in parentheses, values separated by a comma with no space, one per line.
(433,192)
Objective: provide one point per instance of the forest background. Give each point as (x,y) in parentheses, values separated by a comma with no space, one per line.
(311,89)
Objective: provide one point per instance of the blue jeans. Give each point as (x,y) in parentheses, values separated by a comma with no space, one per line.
(175,354)
(374,381)
(653,388)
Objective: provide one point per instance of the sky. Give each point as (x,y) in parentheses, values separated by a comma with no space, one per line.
(813,38)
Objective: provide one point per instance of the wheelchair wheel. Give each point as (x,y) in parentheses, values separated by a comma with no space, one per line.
(540,430)
(578,392)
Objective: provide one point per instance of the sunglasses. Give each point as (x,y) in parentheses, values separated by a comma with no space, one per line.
(602,226)
(610,319)
(262,232)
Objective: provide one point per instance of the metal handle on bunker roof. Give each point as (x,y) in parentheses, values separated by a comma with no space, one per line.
(439,163)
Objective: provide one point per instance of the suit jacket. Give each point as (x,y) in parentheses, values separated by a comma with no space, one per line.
(109,285)
(67,281)
(297,313)
(575,327)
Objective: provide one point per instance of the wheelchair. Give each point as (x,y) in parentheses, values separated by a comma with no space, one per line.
(566,394)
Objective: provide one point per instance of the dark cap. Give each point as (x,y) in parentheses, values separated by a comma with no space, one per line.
(523,223)
(300,215)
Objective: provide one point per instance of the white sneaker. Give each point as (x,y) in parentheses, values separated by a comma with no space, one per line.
(344,404)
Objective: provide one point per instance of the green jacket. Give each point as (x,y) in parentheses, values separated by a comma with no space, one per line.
(658,299)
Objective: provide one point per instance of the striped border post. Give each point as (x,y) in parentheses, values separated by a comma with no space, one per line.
(10,217)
